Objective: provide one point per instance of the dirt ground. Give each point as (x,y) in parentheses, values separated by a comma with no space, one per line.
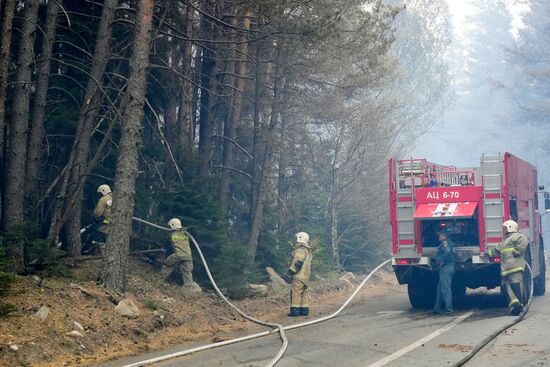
(168,316)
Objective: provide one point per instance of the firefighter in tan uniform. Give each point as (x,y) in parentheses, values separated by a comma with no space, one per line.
(512,264)
(102,215)
(300,270)
(181,257)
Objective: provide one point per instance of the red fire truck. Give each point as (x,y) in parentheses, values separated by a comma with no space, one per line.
(471,204)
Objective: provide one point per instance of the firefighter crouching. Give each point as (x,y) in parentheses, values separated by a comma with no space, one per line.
(300,270)
(102,216)
(445,262)
(512,264)
(181,257)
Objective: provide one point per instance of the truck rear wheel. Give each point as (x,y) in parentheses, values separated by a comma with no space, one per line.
(421,295)
(459,291)
(539,283)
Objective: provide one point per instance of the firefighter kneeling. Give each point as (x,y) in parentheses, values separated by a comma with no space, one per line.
(300,270)
(512,264)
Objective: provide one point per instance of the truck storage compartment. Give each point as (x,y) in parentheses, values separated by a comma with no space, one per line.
(462,232)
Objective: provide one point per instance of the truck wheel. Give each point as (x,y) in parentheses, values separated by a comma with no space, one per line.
(459,292)
(421,295)
(539,283)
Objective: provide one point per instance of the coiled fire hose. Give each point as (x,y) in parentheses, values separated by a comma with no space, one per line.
(493,335)
(278,328)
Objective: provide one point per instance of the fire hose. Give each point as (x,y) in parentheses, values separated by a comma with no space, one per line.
(277,327)
(499,331)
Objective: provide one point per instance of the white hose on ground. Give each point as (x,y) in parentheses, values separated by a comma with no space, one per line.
(279,329)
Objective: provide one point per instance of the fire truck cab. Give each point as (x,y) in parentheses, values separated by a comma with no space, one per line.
(470,204)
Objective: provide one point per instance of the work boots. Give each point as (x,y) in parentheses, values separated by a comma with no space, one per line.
(304,311)
(515,305)
(294,311)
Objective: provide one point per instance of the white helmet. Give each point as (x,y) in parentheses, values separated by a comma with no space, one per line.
(303,238)
(175,223)
(511,226)
(104,189)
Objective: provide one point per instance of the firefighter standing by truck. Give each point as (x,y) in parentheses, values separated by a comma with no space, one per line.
(512,264)
(300,271)
(445,262)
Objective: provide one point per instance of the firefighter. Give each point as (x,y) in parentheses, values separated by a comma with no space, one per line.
(512,264)
(102,216)
(181,257)
(445,262)
(300,270)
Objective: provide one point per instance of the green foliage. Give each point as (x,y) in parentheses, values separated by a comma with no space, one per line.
(6,310)
(6,281)
(39,254)
(151,304)
(196,205)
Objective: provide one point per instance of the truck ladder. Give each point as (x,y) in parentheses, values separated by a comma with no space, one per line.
(492,171)
(405,206)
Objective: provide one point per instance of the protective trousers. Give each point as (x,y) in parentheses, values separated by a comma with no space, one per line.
(299,298)
(174,262)
(444,295)
(513,284)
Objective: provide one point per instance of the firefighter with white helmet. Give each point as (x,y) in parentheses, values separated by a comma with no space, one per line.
(300,270)
(512,264)
(102,215)
(181,257)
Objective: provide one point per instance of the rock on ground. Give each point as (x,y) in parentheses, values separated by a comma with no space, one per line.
(277,283)
(78,326)
(76,334)
(127,308)
(42,313)
(258,290)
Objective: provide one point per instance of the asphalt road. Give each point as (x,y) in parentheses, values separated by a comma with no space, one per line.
(387,332)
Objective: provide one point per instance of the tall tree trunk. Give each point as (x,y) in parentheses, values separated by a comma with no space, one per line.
(261,197)
(75,177)
(36,137)
(208,86)
(263,176)
(230,129)
(334,225)
(256,136)
(282,181)
(115,261)
(4,63)
(18,131)
(186,123)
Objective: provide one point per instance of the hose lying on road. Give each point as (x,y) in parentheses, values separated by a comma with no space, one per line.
(279,328)
(491,337)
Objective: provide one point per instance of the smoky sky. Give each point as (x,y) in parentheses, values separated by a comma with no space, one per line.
(483,113)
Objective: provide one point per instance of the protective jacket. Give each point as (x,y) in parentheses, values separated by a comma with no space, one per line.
(102,212)
(300,266)
(511,251)
(180,244)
